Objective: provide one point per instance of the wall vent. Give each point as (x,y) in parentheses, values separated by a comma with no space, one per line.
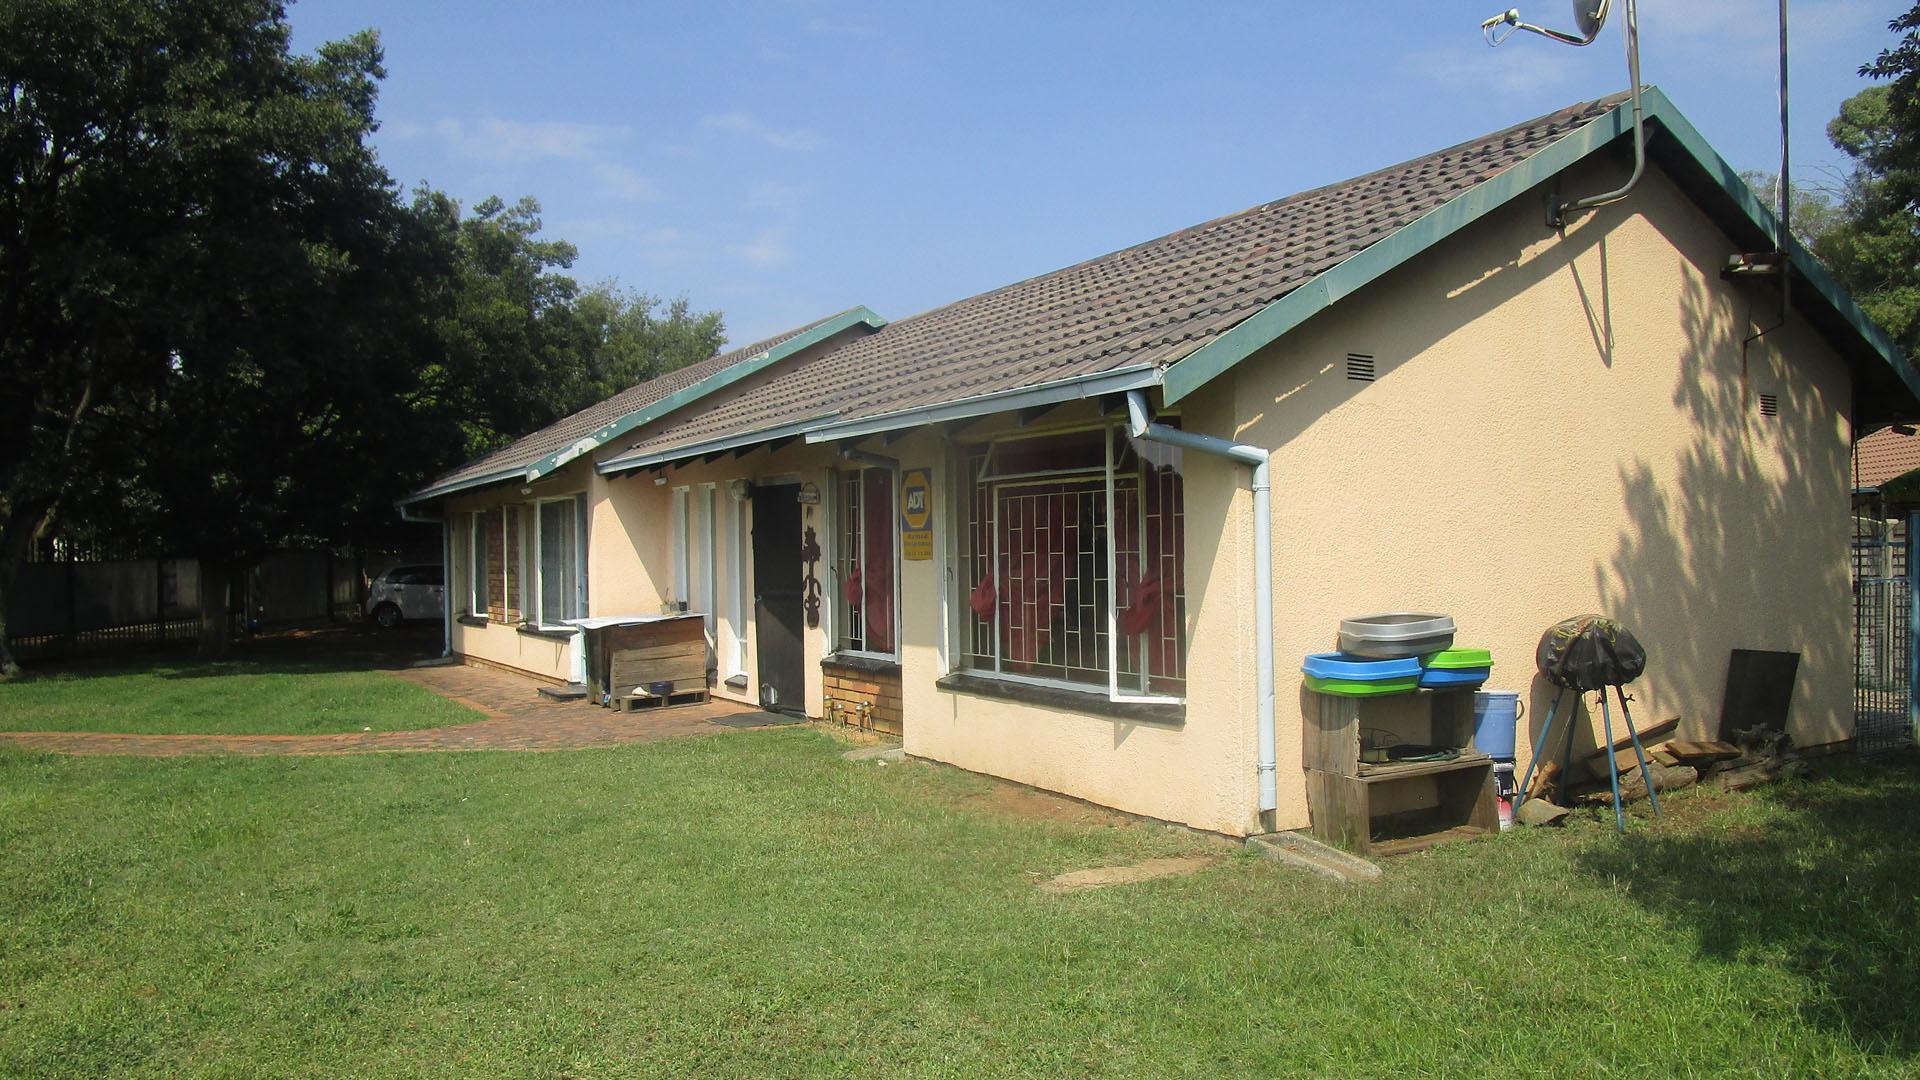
(1769,405)
(1359,367)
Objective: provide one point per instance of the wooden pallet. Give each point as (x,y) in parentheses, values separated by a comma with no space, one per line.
(641,701)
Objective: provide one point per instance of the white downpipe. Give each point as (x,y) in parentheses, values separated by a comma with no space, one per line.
(1140,426)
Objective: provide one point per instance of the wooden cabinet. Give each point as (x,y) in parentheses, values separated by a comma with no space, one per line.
(1391,808)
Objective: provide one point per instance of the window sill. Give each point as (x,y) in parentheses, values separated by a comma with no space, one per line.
(471,620)
(556,634)
(871,665)
(1091,702)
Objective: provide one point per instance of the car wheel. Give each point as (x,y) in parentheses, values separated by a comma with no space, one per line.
(388,616)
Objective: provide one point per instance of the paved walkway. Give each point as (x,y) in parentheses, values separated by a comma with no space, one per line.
(518,718)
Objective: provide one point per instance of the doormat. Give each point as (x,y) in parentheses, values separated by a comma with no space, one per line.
(758,719)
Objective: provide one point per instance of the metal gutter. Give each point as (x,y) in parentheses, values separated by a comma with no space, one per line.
(1269,323)
(1140,425)
(451,487)
(1051,393)
(847,320)
(616,465)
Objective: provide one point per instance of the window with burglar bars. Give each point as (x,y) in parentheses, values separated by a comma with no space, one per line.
(1072,554)
(863,562)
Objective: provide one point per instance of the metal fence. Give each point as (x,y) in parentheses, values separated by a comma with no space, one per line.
(65,607)
(1883,641)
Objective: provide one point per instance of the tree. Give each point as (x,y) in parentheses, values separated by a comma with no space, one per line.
(521,344)
(185,208)
(222,330)
(1873,243)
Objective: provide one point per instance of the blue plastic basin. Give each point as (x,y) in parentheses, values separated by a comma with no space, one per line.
(1453,678)
(1352,668)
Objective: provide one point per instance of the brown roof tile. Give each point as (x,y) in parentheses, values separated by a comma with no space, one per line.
(1145,306)
(528,450)
(1884,455)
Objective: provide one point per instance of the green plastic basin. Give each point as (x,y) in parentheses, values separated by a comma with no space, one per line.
(1458,658)
(1354,688)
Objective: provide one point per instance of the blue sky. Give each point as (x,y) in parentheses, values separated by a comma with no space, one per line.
(785,160)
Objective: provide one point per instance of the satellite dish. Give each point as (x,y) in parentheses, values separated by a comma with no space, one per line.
(1590,16)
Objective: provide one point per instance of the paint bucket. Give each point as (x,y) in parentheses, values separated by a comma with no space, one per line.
(1496,713)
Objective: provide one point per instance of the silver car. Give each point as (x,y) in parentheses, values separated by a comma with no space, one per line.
(406,592)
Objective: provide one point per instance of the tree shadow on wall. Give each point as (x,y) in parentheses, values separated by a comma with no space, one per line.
(1816,879)
(1731,533)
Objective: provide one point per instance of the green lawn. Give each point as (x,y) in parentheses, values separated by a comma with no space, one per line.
(241,697)
(751,905)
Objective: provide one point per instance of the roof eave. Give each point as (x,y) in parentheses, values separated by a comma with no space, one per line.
(846,320)
(719,380)
(1057,392)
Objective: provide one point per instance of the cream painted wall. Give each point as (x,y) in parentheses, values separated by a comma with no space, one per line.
(631,552)
(1562,426)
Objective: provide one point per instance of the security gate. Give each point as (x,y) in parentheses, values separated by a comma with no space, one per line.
(1883,641)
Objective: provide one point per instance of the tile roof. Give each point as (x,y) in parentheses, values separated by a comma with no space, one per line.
(1884,455)
(1143,307)
(530,450)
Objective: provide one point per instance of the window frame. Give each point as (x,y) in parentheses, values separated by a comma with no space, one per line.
(537,610)
(968,491)
(859,545)
(476,563)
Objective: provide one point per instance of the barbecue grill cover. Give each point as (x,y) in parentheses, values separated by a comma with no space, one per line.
(1588,652)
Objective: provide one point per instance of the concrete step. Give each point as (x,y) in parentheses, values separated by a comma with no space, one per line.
(570,692)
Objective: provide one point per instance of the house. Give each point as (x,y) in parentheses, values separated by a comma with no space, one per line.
(1024,529)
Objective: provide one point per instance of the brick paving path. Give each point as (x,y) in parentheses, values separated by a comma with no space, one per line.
(518,718)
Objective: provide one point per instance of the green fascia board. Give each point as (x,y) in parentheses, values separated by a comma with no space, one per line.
(631,462)
(733,373)
(457,486)
(1263,327)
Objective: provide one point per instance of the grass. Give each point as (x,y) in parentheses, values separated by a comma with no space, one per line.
(254,696)
(752,905)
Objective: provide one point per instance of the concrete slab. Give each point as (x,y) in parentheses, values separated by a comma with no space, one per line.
(1311,855)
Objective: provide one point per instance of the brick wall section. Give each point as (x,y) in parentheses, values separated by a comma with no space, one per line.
(851,687)
(514,611)
(496,564)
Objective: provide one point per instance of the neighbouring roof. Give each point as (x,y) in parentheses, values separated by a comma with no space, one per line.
(532,456)
(1180,310)
(1884,455)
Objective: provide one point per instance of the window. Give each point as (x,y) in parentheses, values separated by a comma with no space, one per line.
(682,548)
(863,562)
(1072,557)
(478,592)
(703,583)
(558,581)
(739,542)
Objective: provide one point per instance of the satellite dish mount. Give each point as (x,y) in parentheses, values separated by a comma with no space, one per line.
(1589,16)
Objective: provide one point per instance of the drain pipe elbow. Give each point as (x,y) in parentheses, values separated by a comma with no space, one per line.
(1140,425)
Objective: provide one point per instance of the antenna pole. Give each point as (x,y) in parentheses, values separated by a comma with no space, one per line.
(1785,185)
(1561,211)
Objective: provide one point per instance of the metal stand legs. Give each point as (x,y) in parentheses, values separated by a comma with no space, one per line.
(1613,767)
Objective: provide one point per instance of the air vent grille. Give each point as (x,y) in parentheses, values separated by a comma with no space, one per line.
(1769,405)
(1359,367)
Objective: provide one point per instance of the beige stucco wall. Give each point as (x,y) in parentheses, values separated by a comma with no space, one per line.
(1562,426)
(630,551)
